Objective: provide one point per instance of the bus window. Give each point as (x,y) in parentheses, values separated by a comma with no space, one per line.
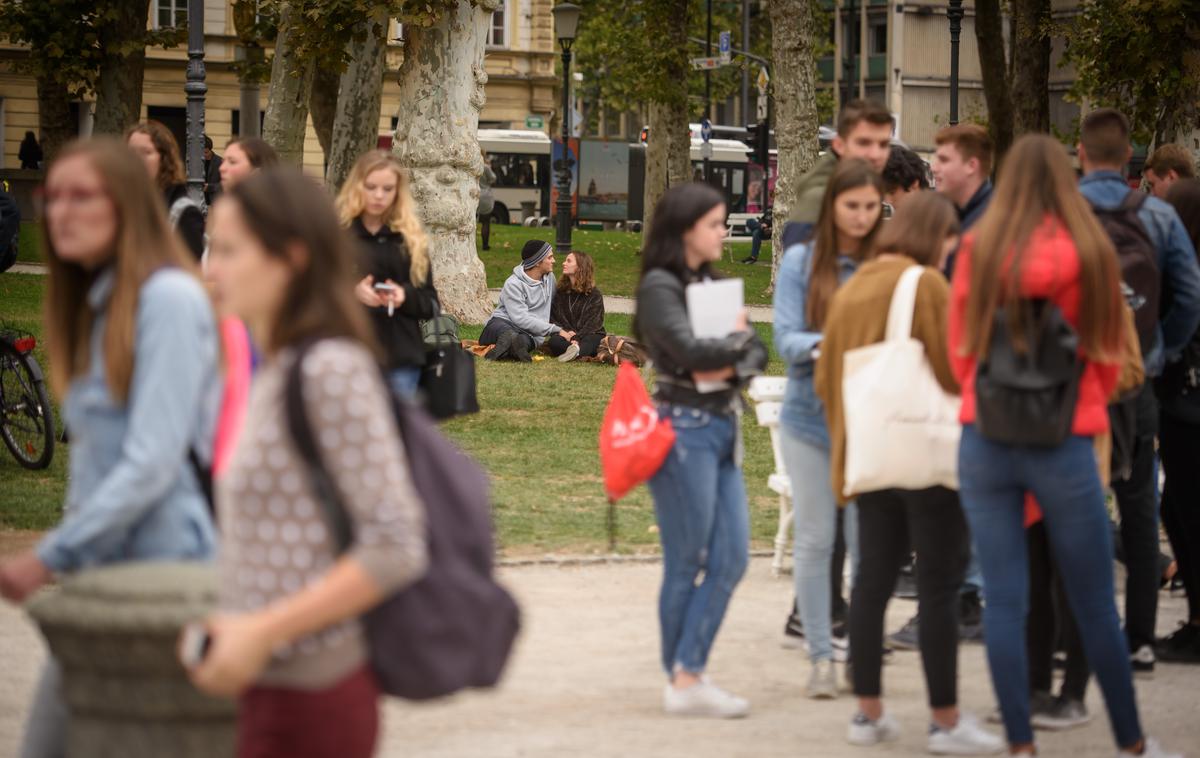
(513,170)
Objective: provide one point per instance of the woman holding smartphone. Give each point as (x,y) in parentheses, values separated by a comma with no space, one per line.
(397,288)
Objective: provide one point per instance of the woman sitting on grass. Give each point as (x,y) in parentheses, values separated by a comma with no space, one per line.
(578,307)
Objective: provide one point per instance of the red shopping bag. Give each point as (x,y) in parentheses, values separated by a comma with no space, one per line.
(634,441)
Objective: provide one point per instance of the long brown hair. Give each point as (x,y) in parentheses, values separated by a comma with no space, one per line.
(144,243)
(851,173)
(284,208)
(170,163)
(1036,183)
(584,280)
(920,228)
(401,217)
(258,151)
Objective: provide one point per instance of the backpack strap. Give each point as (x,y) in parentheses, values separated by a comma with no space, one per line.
(179,207)
(204,477)
(305,442)
(1134,200)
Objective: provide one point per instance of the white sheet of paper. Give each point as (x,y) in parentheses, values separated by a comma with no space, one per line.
(713,309)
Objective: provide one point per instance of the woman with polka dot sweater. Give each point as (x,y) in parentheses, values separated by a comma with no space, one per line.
(288,641)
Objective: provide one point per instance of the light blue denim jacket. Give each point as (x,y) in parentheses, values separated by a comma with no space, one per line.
(1176,263)
(803,413)
(132,493)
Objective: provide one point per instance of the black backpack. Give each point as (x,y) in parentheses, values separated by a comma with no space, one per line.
(1028,398)
(10,228)
(1138,258)
(453,628)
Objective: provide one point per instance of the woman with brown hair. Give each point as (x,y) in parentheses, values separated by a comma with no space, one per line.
(578,307)
(810,274)
(397,277)
(923,232)
(133,354)
(1037,288)
(288,640)
(159,151)
(243,156)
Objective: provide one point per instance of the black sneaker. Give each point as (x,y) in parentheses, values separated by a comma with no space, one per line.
(793,630)
(970,619)
(1185,650)
(1063,713)
(906,638)
(1186,636)
(520,349)
(750,260)
(502,349)
(1176,587)
(906,584)
(1142,660)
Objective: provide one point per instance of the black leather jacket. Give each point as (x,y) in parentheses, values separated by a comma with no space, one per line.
(663,326)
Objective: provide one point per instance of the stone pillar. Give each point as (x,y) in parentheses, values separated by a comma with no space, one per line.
(114,632)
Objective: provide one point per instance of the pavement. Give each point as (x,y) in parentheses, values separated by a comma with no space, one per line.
(584,681)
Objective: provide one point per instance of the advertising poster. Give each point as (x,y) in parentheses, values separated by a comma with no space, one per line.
(555,156)
(604,181)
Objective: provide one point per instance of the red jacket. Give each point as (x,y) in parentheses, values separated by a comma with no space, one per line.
(1051,272)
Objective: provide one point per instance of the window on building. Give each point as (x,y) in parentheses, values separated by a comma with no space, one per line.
(878,37)
(169,13)
(496,36)
(236,121)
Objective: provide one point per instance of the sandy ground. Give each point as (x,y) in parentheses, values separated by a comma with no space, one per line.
(585,682)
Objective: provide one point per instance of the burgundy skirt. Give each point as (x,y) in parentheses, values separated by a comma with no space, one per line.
(341,721)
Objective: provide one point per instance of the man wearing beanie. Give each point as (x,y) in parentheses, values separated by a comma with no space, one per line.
(522,320)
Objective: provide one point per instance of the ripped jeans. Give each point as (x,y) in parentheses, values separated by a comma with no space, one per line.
(704,524)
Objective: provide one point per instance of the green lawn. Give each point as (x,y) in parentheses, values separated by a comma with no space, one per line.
(27,243)
(537,437)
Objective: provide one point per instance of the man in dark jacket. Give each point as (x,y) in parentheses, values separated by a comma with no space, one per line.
(212,172)
(961,167)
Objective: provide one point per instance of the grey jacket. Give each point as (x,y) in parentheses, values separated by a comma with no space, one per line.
(525,303)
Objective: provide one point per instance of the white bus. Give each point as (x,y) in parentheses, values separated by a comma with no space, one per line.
(521,162)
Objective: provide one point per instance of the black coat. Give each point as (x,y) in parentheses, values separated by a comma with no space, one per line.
(578,312)
(384,256)
(190,225)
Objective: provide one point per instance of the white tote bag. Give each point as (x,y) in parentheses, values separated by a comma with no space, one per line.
(902,428)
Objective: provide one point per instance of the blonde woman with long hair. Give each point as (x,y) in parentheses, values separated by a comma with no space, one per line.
(397,284)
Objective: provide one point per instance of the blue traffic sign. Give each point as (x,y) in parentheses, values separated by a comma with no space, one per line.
(705,129)
(725,47)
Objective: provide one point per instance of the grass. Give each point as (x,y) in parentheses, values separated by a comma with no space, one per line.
(536,435)
(27,243)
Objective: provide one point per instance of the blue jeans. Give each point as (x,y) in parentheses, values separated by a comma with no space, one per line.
(994,479)
(814,510)
(405,381)
(704,524)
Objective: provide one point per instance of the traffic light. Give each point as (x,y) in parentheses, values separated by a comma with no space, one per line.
(760,142)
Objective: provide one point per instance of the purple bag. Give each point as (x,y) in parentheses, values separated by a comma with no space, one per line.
(454,628)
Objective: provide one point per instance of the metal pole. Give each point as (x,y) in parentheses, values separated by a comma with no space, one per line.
(847,41)
(955,14)
(562,244)
(745,69)
(708,85)
(196,89)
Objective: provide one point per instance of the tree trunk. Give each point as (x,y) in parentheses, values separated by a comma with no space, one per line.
(356,129)
(1031,66)
(989,37)
(287,99)
(323,104)
(668,151)
(122,67)
(793,36)
(442,84)
(54,116)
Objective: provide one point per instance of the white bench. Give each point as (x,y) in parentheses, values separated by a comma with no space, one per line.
(767,394)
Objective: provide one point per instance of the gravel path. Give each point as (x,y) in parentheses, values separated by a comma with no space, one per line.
(584,682)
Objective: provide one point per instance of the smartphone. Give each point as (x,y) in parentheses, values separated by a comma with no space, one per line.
(385,287)
(194,645)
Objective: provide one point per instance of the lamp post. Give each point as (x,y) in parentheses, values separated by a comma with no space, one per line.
(196,89)
(955,14)
(566,23)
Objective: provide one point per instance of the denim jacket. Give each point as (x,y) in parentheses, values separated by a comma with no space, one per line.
(1176,262)
(803,413)
(132,494)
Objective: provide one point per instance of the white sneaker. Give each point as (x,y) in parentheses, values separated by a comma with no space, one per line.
(570,354)
(966,738)
(1152,750)
(705,700)
(865,732)
(822,682)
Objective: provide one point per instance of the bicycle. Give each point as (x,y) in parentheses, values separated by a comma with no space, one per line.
(26,416)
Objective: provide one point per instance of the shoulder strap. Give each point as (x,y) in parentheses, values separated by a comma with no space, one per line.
(904,301)
(300,430)
(178,207)
(1134,200)
(204,478)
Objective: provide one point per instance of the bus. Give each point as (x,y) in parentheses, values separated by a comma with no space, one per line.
(521,162)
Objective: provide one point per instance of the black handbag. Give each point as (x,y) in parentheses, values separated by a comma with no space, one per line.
(448,378)
(1028,397)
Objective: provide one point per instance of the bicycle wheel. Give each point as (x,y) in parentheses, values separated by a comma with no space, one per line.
(26,418)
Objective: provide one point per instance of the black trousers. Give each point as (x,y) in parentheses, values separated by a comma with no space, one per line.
(1137,503)
(485,223)
(588,343)
(932,522)
(1050,624)
(1179,446)
(495,327)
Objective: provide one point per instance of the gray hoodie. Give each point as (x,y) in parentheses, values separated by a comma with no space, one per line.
(525,303)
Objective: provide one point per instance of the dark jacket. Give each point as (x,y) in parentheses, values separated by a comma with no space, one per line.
(30,155)
(578,312)
(968,216)
(190,224)
(664,328)
(384,256)
(212,178)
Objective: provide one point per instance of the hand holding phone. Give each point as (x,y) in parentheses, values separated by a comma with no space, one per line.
(388,289)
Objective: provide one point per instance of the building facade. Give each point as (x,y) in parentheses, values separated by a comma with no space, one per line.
(521,88)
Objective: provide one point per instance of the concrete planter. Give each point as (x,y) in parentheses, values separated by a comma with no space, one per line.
(114,631)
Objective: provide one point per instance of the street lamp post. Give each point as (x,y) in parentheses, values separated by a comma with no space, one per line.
(955,14)
(566,23)
(196,89)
